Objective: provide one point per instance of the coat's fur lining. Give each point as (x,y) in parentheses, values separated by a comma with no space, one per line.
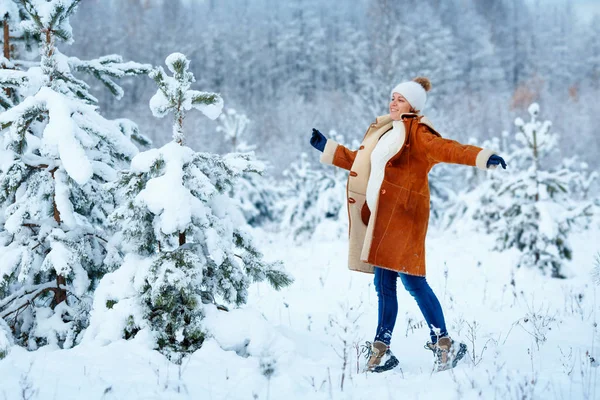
(328,152)
(482,158)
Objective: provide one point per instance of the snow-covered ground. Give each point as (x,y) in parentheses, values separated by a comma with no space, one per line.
(529,336)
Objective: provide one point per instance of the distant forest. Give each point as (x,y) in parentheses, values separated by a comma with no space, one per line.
(297,64)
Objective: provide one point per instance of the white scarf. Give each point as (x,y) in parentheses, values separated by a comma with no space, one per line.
(390,143)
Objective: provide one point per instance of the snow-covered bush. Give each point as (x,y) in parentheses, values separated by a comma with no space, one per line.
(255,193)
(57,153)
(185,242)
(346,338)
(597,269)
(257,196)
(311,195)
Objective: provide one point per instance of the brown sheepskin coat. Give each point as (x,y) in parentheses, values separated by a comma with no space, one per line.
(392,236)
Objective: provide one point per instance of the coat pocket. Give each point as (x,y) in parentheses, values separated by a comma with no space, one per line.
(365,214)
(355,204)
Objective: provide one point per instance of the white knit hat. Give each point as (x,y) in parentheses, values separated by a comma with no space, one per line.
(415,92)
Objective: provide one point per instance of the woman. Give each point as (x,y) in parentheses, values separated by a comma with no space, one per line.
(388,209)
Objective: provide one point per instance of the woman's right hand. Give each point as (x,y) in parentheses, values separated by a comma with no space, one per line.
(318,140)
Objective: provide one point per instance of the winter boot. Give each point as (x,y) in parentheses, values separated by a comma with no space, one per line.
(446,352)
(380,357)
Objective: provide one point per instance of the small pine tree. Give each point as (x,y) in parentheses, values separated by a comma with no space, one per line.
(596,272)
(184,240)
(257,196)
(345,337)
(534,211)
(311,196)
(234,125)
(255,193)
(57,153)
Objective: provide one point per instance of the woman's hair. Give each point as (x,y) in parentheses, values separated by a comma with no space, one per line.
(423,81)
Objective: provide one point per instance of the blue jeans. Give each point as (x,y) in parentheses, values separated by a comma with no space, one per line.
(417,286)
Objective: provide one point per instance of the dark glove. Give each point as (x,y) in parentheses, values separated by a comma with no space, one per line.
(318,140)
(495,160)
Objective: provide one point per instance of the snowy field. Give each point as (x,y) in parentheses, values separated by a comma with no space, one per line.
(529,336)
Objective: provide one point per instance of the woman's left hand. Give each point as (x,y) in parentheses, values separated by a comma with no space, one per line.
(495,160)
(318,141)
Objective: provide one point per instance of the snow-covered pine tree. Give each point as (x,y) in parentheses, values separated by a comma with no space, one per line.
(57,153)
(17,44)
(580,186)
(186,244)
(255,193)
(534,205)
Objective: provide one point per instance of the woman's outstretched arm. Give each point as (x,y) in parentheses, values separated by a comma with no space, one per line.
(338,155)
(439,149)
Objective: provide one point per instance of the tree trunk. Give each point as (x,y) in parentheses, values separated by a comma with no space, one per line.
(6,49)
(6,40)
(60,295)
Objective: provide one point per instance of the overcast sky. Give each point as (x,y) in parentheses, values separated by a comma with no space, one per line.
(588,8)
(585,9)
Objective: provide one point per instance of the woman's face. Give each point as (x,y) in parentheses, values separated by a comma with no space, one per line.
(398,106)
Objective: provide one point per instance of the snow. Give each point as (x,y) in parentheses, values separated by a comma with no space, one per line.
(62,200)
(531,333)
(143,161)
(6,159)
(519,121)
(175,58)
(159,104)
(35,80)
(5,339)
(107,322)
(212,111)
(214,245)
(549,212)
(59,256)
(11,78)
(10,260)
(50,324)
(166,195)
(10,8)
(61,132)
(534,109)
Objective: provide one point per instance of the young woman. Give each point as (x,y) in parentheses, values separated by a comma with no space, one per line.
(388,208)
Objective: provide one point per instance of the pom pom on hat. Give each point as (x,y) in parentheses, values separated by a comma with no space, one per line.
(415,91)
(423,81)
